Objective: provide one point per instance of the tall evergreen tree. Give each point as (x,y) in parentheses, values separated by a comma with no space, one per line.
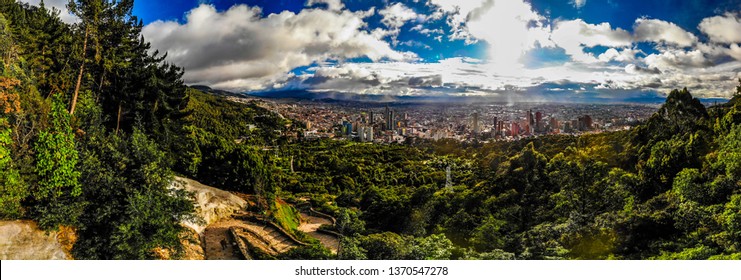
(89,11)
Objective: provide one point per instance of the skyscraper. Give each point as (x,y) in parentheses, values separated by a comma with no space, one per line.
(476,123)
(584,123)
(496,126)
(389,118)
(555,126)
(391,122)
(347,127)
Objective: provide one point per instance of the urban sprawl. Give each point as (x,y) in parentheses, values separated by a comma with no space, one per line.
(397,123)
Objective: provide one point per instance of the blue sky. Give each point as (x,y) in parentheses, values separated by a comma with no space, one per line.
(506,49)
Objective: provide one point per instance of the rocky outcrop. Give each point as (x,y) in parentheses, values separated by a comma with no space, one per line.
(212,204)
(191,241)
(23,240)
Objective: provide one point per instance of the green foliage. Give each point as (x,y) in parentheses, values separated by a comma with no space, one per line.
(350,249)
(688,185)
(311,252)
(12,189)
(730,220)
(433,247)
(729,152)
(58,188)
(349,222)
(698,253)
(286,216)
(488,236)
(128,217)
(581,190)
(386,246)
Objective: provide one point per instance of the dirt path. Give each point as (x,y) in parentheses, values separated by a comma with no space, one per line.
(310,226)
(213,235)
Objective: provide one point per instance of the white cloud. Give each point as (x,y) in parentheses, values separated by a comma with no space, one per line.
(678,60)
(511,28)
(426,31)
(579,3)
(635,69)
(574,35)
(333,5)
(659,31)
(722,29)
(735,52)
(396,15)
(60,5)
(682,60)
(612,54)
(242,50)
(457,10)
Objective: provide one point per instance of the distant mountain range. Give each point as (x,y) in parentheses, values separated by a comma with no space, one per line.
(555,97)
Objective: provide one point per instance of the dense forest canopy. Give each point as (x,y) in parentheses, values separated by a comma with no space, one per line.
(94,123)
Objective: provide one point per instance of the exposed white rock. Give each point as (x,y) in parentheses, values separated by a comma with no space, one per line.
(23,240)
(212,204)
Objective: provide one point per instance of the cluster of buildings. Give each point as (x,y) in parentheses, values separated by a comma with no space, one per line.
(535,124)
(390,128)
(391,123)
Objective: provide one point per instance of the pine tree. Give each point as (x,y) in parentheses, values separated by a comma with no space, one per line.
(89,11)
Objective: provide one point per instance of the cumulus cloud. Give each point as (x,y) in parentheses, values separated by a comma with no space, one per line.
(722,29)
(252,51)
(680,60)
(574,35)
(674,60)
(457,14)
(396,15)
(635,69)
(334,5)
(659,31)
(511,28)
(612,54)
(426,31)
(735,52)
(242,49)
(60,5)
(579,3)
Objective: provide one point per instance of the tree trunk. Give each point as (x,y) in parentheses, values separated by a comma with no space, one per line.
(100,86)
(79,76)
(102,80)
(118,120)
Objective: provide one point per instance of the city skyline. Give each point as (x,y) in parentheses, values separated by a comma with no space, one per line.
(398,123)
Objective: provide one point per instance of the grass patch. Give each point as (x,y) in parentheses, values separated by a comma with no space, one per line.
(286,216)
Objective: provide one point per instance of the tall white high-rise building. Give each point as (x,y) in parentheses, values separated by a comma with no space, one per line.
(476,123)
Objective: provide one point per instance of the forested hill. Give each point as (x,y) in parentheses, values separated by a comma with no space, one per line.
(93,125)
